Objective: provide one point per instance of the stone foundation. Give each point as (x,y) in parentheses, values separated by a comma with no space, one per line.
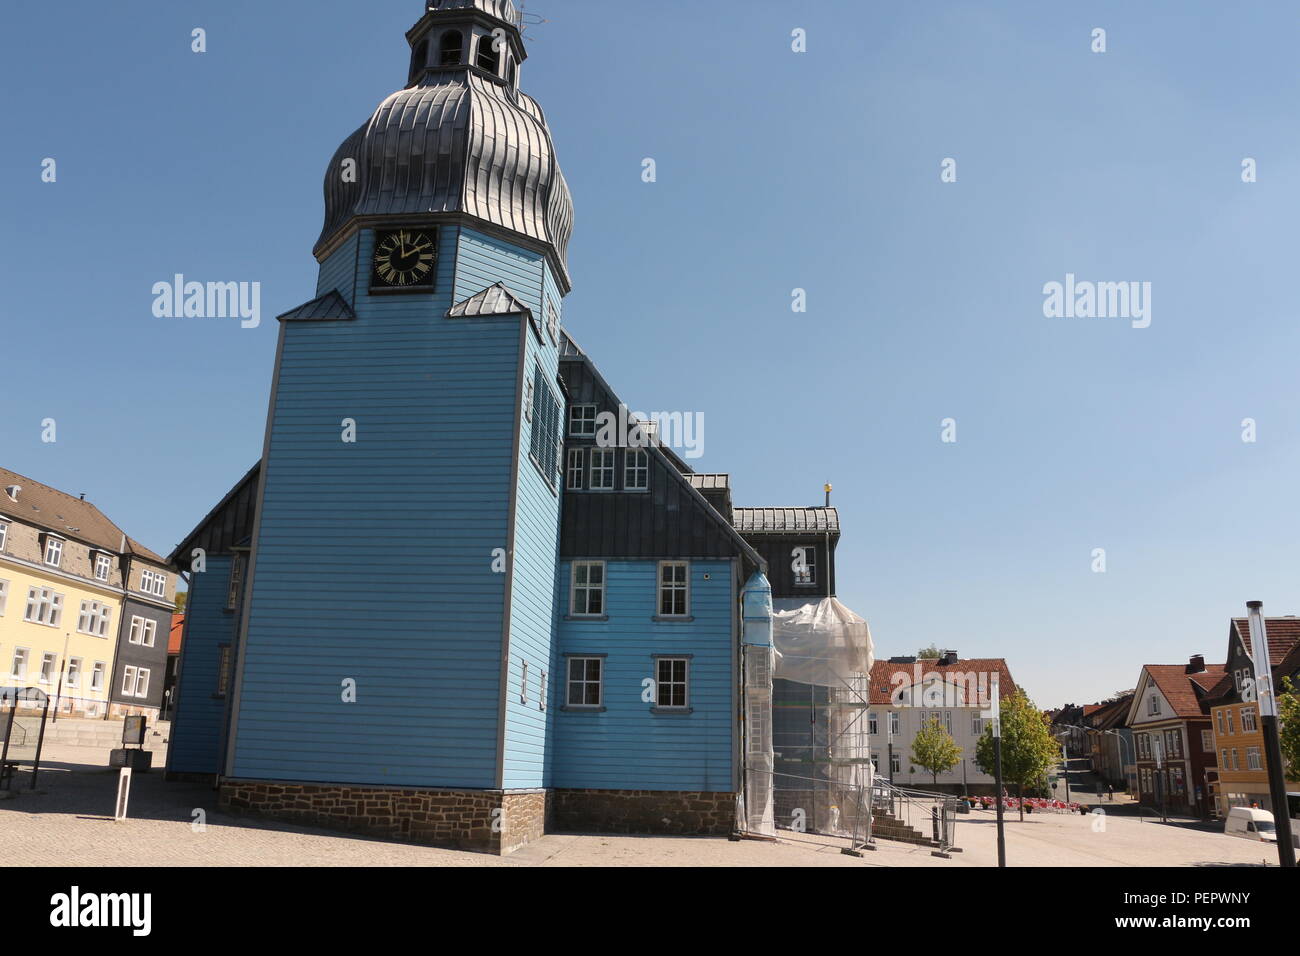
(676,812)
(487,821)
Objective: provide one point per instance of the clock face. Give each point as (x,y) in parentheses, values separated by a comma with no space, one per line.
(404,258)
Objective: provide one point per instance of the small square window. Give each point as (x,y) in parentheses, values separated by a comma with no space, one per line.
(588,594)
(602,469)
(585,674)
(582,421)
(670,682)
(636,470)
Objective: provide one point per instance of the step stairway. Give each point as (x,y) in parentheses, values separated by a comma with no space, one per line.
(103,735)
(886,827)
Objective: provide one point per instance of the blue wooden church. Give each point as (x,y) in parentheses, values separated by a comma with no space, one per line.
(441,608)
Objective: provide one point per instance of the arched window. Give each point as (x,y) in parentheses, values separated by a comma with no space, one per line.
(487,57)
(511,72)
(419,59)
(450,48)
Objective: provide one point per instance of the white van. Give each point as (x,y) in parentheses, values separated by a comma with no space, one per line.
(1250,823)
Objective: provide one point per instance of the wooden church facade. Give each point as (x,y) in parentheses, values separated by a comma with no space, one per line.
(439,608)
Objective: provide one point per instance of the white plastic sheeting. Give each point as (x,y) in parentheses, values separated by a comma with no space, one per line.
(820,642)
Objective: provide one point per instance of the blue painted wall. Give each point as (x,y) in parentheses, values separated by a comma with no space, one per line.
(374,558)
(627,746)
(198,727)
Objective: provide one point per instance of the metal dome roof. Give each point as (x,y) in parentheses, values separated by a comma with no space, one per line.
(456,142)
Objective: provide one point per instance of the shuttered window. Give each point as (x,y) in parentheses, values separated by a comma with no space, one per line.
(547,444)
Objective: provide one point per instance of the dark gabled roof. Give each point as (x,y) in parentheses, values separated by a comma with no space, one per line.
(330,307)
(1109,715)
(569,349)
(66,516)
(1185,692)
(496,299)
(786,520)
(226,525)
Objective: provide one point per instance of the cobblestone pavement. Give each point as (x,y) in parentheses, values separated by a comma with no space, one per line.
(68,821)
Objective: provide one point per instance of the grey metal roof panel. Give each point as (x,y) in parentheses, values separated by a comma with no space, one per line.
(570,349)
(496,299)
(786,520)
(456,142)
(710,482)
(329,307)
(501,9)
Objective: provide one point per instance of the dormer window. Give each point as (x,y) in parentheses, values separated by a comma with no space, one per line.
(103,566)
(804,565)
(450,48)
(53,551)
(487,57)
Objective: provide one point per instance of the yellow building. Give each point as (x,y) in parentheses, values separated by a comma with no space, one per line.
(1238,734)
(84,610)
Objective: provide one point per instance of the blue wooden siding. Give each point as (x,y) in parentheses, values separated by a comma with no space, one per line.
(374,558)
(198,728)
(626,746)
(340,270)
(483,261)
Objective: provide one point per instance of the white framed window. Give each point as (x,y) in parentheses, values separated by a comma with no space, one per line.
(94,618)
(1231,729)
(895,762)
(4,595)
(128,680)
(804,565)
(574,471)
(873,727)
(582,420)
(552,322)
(103,566)
(1248,720)
(1153,705)
(586,675)
(674,588)
(671,682)
(1218,717)
(143,631)
(977,725)
(153,582)
(893,722)
(74,671)
(18,665)
(97,676)
(1252,759)
(53,550)
(587,595)
(1224,761)
(602,469)
(1207,741)
(636,469)
(236,579)
(47,668)
(523,684)
(541,693)
(4,532)
(44,606)
(142,682)
(528,400)
(223,669)
(1236,762)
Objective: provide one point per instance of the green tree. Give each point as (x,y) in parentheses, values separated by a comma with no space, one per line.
(181,597)
(930,653)
(934,749)
(1028,749)
(1288,708)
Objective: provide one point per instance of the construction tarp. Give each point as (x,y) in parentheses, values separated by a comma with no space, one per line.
(820,642)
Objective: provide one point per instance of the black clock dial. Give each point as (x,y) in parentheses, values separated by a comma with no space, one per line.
(404,258)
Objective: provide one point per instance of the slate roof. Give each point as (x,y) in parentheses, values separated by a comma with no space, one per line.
(496,299)
(66,515)
(882,673)
(329,307)
(786,520)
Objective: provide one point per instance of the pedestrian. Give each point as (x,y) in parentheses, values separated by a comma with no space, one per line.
(1110,792)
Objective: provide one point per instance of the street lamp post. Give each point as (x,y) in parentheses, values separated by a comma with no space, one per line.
(1272,742)
(996,714)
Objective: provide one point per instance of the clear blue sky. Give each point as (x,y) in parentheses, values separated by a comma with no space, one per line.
(775,171)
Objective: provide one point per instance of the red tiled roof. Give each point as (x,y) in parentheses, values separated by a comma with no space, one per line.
(1283,634)
(1185,691)
(174,639)
(882,672)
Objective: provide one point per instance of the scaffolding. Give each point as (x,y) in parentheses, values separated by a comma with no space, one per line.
(807,750)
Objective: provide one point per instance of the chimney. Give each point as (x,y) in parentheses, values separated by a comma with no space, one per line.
(948,658)
(1196,665)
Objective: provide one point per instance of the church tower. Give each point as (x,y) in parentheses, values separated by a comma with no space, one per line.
(396,639)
